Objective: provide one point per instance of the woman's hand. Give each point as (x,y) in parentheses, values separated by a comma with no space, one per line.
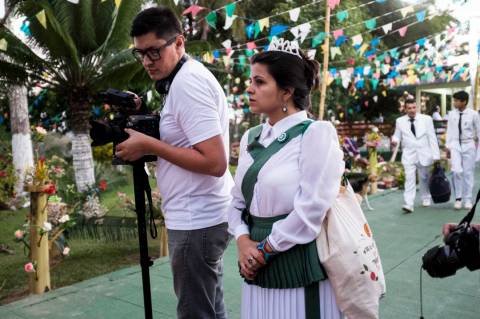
(249,258)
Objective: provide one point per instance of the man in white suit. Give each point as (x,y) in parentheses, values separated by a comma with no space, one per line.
(463,128)
(419,149)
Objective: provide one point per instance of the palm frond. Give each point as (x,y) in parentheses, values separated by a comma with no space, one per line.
(119,36)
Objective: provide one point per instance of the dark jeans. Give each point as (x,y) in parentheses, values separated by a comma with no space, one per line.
(196,258)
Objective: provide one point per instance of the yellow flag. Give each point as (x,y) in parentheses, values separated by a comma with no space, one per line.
(42,18)
(3,44)
(117,3)
(264,23)
(363,48)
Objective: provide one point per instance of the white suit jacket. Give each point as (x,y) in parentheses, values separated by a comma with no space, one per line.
(470,129)
(422,148)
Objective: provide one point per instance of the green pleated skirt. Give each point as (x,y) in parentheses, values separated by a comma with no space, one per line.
(297,267)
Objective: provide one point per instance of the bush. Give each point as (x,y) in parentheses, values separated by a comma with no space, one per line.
(7,177)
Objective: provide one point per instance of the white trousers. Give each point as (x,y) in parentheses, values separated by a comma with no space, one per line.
(463,168)
(410,182)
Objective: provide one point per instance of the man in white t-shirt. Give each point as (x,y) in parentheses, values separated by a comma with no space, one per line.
(192,173)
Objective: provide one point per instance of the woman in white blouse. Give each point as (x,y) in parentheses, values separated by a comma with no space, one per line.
(277,210)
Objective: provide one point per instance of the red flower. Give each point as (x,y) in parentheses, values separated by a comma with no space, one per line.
(50,189)
(373,276)
(3,174)
(103,185)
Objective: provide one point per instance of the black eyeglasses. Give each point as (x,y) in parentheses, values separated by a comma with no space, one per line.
(153,54)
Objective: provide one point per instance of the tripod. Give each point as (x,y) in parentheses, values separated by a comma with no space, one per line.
(141,186)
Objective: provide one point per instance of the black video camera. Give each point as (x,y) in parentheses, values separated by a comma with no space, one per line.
(124,115)
(461,249)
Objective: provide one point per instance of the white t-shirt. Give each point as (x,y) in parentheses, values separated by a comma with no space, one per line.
(195,110)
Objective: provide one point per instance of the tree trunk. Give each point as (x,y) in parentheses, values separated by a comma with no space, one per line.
(82,161)
(81,148)
(21,139)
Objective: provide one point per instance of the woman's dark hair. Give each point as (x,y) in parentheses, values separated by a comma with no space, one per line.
(160,20)
(291,71)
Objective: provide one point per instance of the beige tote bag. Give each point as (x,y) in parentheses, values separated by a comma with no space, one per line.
(350,257)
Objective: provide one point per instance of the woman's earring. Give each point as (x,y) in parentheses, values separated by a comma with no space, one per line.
(284,108)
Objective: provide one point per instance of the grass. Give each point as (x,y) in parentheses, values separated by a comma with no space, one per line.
(88,258)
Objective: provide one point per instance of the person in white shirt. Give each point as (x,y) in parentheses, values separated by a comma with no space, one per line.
(276,215)
(463,134)
(436,116)
(419,143)
(192,174)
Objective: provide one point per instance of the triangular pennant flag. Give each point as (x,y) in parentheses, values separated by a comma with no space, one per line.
(42,18)
(402,31)
(357,39)
(387,28)
(227,44)
(73,1)
(230,9)
(375,42)
(380,1)
(334,51)
(176,2)
(194,10)
(251,45)
(242,60)
(363,48)
(318,39)
(370,24)
(294,13)
(342,15)
(249,29)
(277,29)
(118,3)
(311,54)
(226,60)
(337,33)
(301,31)
(211,19)
(374,83)
(3,44)
(333,3)
(420,16)
(264,23)
(340,40)
(406,10)
(229,22)
(257,30)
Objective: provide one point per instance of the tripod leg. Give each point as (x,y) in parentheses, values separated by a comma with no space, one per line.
(139,189)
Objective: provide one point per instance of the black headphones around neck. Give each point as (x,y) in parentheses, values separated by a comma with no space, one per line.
(162,86)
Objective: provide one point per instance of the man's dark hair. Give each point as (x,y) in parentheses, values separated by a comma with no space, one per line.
(410,101)
(462,96)
(160,20)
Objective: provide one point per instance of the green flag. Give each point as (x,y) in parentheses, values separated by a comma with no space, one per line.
(230,8)
(212,19)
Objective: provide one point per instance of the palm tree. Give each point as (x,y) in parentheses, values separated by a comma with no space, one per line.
(82,50)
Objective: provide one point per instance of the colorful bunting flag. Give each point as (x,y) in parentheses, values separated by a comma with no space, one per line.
(211,19)
(333,3)
(73,1)
(229,22)
(318,39)
(334,51)
(277,29)
(406,11)
(340,40)
(370,24)
(3,44)
(294,14)
(402,31)
(230,9)
(387,28)
(42,18)
(249,29)
(251,45)
(342,15)
(301,31)
(420,16)
(194,10)
(118,3)
(337,33)
(357,39)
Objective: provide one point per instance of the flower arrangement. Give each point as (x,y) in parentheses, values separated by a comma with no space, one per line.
(373,138)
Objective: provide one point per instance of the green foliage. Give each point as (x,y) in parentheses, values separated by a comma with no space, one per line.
(7,176)
(104,153)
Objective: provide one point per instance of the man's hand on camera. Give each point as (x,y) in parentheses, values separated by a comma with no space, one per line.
(136,99)
(134,147)
(447,228)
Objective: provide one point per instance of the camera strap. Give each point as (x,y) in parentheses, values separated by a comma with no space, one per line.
(163,86)
(148,191)
(468,218)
